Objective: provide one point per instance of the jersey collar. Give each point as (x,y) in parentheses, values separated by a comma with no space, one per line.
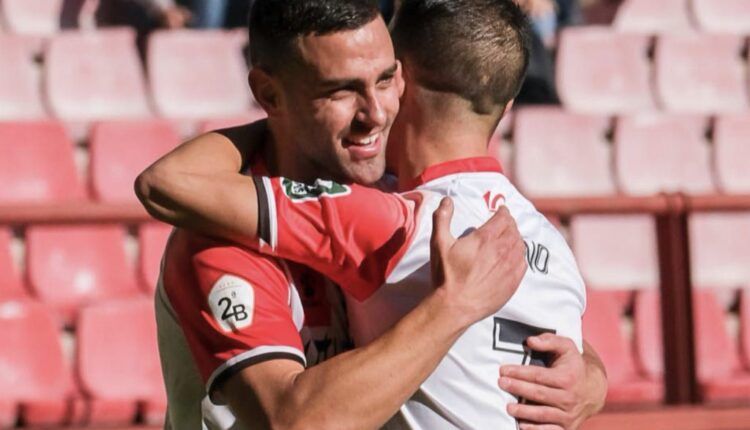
(464,165)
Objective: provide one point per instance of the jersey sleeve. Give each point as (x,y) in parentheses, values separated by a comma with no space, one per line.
(352,234)
(238,312)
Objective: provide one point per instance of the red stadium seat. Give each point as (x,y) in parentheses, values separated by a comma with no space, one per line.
(37,164)
(561,154)
(649,16)
(33,372)
(701,73)
(722,16)
(153,238)
(70,266)
(255,114)
(718,367)
(601,328)
(718,260)
(217,83)
(602,71)
(120,378)
(20,96)
(731,152)
(34,17)
(11,287)
(616,252)
(95,75)
(121,150)
(655,153)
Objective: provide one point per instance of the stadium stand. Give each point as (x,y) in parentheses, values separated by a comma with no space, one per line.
(253,115)
(35,382)
(37,164)
(71,266)
(616,252)
(701,73)
(32,17)
(662,153)
(722,16)
(719,372)
(118,387)
(731,152)
(152,238)
(601,328)
(603,72)
(216,86)
(20,96)
(11,287)
(549,148)
(745,327)
(95,76)
(121,150)
(648,16)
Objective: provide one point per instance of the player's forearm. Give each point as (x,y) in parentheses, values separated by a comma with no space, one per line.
(596,378)
(363,388)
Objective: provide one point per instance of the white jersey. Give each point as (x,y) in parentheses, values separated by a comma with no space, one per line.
(377,247)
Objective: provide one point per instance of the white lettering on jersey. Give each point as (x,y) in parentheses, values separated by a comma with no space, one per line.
(232,302)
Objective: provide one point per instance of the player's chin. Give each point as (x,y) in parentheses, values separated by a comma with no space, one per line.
(366,172)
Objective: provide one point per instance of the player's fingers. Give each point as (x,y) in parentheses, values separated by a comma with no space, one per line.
(497,224)
(549,342)
(441,225)
(531,426)
(537,414)
(536,393)
(535,375)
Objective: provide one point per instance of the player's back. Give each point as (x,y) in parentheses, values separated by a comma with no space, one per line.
(463,392)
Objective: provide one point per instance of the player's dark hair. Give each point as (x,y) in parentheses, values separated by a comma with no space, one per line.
(275,24)
(477,49)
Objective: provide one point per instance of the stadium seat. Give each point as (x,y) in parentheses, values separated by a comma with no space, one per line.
(121,150)
(37,164)
(616,252)
(253,115)
(718,367)
(648,16)
(561,154)
(70,266)
(122,378)
(718,259)
(745,327)
(701,73)
(95,76)
(722,16)
(731,152)
(601,328)
(20,96)
(152,238)
(35,381)
(602,71)
(32,17)
(662,153)
(217,83)
(11,287)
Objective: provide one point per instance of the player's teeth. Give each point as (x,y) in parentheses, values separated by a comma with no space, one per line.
(366,141)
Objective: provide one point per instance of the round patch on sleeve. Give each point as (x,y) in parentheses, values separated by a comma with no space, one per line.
(232,301)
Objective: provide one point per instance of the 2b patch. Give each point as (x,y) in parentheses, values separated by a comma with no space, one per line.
(300,192)
(232,302)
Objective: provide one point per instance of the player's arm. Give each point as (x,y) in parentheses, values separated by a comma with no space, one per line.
(198,186)
(572,389)
(363,388)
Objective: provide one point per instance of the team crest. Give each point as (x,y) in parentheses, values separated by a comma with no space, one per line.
(300,192)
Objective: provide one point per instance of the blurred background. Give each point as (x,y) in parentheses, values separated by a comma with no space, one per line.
(632,134)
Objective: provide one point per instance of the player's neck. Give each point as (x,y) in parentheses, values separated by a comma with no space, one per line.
(280,161)
(434,136)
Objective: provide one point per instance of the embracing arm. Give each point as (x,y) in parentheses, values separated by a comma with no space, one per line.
(363,388)
(198,185)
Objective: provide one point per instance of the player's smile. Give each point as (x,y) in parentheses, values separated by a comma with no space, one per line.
(363,148)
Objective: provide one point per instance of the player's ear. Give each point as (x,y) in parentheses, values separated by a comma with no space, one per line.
(508,107)
(399,76)
(266,90)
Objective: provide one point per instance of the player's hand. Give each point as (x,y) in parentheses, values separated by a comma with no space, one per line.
(480,271)
(565,394)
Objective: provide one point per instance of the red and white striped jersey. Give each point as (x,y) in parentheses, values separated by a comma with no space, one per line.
(376,246)
(221,308)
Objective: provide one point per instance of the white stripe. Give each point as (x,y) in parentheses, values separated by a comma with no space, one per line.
(255,352)
(270,197)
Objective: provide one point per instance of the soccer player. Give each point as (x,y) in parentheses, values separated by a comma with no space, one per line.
(331,220)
